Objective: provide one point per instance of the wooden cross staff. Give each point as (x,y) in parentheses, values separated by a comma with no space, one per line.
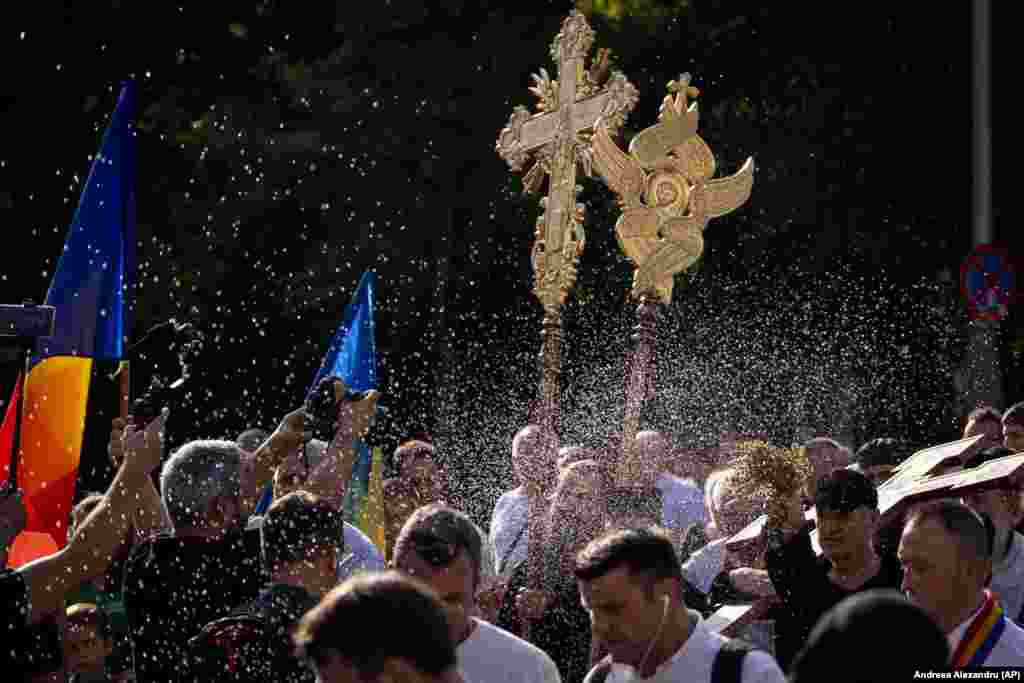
(552,142)
(668,194)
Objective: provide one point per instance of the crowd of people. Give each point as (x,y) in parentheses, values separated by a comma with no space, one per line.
(579,577)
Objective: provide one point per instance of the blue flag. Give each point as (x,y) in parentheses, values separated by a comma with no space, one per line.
(352,356)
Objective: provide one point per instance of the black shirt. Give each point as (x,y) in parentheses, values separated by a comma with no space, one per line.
(801,581)
(174,586)
(25,649)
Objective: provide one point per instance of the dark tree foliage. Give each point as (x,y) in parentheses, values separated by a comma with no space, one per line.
(287,147)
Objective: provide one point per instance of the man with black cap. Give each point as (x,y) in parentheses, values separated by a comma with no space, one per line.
(846,504)
(1002,504)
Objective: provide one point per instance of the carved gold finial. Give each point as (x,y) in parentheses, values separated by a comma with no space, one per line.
(554,141)
(667,191)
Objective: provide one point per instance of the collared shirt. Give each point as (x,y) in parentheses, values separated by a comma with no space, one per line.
(694,660)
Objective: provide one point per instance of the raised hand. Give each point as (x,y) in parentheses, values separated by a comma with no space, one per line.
(354,417)
(290,436)
(143,448)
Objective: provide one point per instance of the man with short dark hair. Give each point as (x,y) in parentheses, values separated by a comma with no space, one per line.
(297,472)
(378,627)
(301,535)
(846,504)
(631,583)
(1013,427)
(443,548)
(877,458)
(945,552)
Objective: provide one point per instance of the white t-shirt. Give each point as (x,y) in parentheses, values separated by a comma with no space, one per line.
(510,535)
(682,503)
(1008,578)
(693,662)
(493,655)
(1008,650)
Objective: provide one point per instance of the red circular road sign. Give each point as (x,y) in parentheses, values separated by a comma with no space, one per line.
(988,282)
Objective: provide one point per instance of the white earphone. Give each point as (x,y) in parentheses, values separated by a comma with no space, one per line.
(666,601)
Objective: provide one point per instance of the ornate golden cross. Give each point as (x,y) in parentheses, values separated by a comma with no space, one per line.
(553,141)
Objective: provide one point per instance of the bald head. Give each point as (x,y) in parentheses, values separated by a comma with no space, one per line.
(529,457)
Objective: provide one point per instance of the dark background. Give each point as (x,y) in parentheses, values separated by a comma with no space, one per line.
(284,148)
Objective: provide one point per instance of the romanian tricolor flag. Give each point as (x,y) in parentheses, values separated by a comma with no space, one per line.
(91,292)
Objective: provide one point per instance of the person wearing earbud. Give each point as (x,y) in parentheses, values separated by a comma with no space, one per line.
(631,584)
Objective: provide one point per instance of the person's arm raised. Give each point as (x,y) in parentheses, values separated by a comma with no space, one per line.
(258,469)
(331,475)
(149,517)
(95,540)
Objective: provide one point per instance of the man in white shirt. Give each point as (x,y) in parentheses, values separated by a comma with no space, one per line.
(631,583)
(946,552)
(682,501)
(509,533)
(441,547)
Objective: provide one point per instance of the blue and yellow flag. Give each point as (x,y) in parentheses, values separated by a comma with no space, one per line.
(91,291)
(352,356)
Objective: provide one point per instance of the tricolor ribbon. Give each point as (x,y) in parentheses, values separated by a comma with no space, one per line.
(982,635)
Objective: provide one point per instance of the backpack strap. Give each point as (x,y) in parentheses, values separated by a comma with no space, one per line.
(728,664)
(599,674)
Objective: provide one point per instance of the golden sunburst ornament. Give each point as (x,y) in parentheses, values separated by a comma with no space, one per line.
(771,474)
